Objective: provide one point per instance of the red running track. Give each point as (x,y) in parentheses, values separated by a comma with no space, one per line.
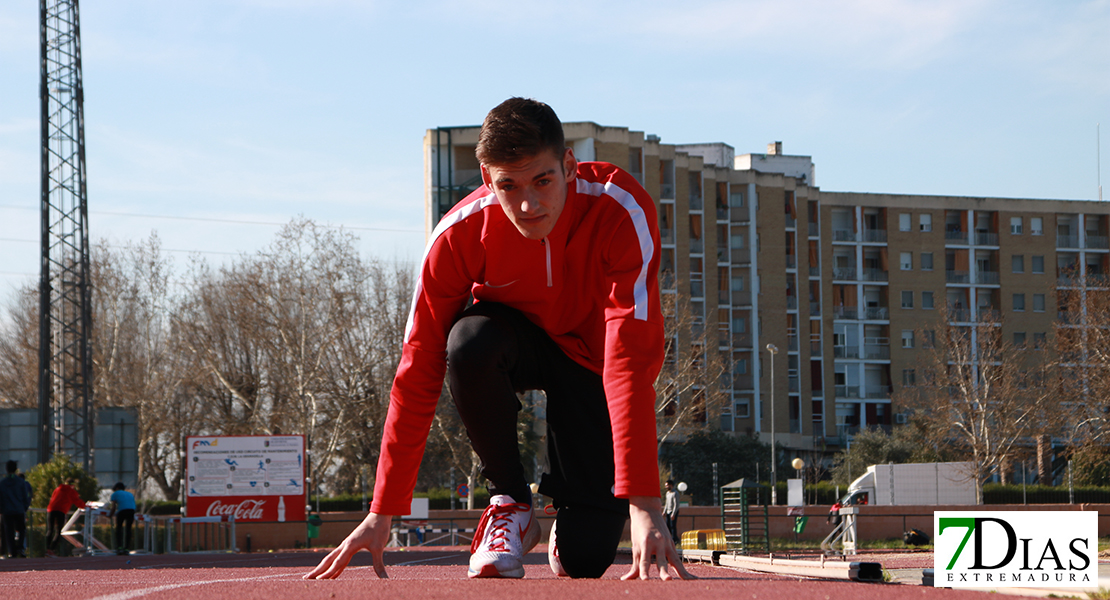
(438,573)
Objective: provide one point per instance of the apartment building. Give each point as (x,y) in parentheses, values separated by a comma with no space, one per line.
(846,285)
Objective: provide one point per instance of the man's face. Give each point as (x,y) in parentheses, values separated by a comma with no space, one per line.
(533,190)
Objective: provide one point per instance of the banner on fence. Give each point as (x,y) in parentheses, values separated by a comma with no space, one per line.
(253,477)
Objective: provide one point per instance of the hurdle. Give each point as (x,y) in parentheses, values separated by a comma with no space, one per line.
(83,538)
(200,535)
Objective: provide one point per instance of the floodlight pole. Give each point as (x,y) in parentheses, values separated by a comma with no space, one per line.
(774,493)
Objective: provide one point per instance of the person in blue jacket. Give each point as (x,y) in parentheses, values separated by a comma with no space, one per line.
(123,508)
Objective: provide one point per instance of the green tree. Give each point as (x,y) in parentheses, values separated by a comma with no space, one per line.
(1091,465)
(876,447)
(736,457)
(47,476)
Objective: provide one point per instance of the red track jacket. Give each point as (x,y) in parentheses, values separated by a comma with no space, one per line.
(592,285)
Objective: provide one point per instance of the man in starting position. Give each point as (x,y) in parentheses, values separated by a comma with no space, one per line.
(561,259)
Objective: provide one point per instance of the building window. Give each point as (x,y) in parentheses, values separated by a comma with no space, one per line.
(1038,264)
(926,261)
(927,300)
(904,222)
(1036,225)
(1038,302)
(1015,225)
(909,378)
(1019,339)
(737,284)
(1019,302)
(907,338)
(907,261)
(743,409)
(907,299)
(1038,341)
(925,222)
(1017,263)
(736,199)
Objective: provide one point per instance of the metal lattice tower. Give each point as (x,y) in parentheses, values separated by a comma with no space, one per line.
(65,315)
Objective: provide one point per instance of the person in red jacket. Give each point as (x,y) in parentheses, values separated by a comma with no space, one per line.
(561,261)
(63,498)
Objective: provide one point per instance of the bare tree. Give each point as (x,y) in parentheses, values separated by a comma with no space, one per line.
(979,392)
(692,387)
(19,350)
(1082,344)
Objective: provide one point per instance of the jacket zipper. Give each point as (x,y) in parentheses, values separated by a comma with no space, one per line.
(550,282)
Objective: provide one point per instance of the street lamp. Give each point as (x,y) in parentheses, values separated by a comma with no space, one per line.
(774,493)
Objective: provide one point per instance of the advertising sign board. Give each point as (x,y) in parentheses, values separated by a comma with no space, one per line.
(253,477)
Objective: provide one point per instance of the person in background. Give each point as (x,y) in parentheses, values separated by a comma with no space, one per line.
(123,508)
(14,502)
(670,510)
(63,498)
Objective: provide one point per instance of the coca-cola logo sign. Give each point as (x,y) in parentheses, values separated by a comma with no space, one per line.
(247,509)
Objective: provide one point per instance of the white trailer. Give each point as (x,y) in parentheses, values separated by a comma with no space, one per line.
(946,483)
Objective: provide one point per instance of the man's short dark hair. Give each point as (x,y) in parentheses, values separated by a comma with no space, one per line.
(12,466)
(670,482)
(519,128)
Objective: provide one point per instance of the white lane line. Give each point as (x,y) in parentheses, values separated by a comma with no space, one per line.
(174,586)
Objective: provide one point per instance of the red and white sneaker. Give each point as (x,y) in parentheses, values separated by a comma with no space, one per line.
(553,554)
(505,534)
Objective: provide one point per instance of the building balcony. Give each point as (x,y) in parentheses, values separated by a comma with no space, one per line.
(696,201)
(985,238)
(743,382)
(873,275)
(741,340)
(722,255)
(666,190)
(844,273)
(815,349)
(814,271)
(955,237)
(876,351)
(791,222)
(739,214)
(697,246)
(791,261)
(666,280)
(793,384)
(986,277)
(791,303)
(847,391)
(741,256)
(1097,242)
(724,297)
(844,235)
(1067,241)
(814,230)
(957,276)
(846,313)
(666,236)
(722,213)
(873,235)
(814,308)
(741,298)
(876,392)
(791,343)
(851,352)
(875,313)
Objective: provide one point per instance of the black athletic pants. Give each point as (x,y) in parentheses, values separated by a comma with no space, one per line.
(15,529)
(124,520)
(493,352)
(55,521)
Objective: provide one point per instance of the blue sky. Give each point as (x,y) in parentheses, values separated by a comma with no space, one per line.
(257,111)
